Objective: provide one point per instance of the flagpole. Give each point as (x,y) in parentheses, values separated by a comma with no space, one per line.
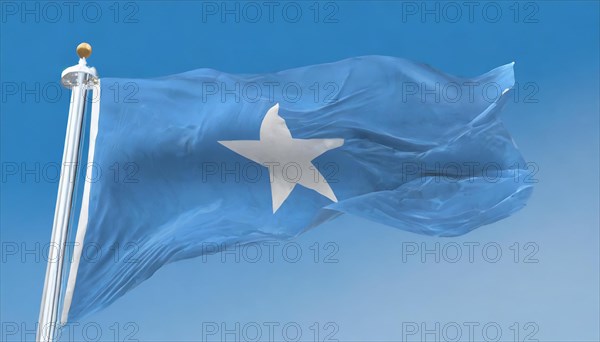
(79,78)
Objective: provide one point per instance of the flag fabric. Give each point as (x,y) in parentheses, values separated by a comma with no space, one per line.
(209,158)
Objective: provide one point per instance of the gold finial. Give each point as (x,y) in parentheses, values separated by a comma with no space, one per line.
(84,50)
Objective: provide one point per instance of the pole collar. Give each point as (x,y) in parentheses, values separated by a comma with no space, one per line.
(81,73)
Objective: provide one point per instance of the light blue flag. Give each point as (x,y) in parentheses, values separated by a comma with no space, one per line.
(206,158)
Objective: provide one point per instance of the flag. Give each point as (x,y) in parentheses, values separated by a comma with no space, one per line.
(206,158)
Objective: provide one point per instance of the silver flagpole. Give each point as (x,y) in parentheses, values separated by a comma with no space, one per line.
(79,78)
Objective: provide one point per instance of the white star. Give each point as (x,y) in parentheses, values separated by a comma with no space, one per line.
(289,160)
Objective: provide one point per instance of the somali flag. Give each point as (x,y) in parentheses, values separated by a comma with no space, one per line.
(206,157)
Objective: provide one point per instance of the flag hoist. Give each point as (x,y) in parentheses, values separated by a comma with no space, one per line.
(80,79)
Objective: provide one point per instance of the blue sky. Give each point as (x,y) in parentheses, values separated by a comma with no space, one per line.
(376,290)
